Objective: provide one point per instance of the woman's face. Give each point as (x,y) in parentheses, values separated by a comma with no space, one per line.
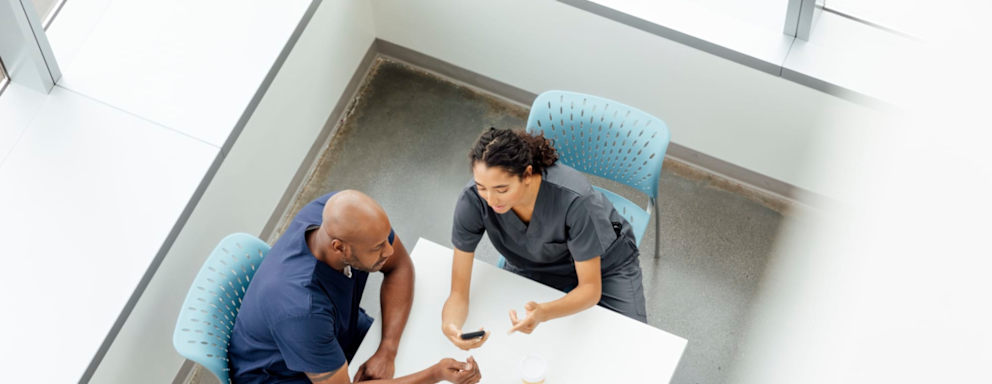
(500,189)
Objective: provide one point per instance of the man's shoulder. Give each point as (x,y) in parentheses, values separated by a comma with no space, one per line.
(312,212)
(281,286)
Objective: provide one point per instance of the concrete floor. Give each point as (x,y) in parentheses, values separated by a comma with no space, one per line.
(406,145)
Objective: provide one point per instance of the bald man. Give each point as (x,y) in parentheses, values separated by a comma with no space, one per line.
(300,321)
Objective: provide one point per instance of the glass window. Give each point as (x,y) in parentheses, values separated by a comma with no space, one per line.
(47,9)
(765,14)
(909,17)
(3,77)
(769,14)
(820,4)
(24,46)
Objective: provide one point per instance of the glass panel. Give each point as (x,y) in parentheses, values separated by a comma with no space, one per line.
(818,9)
(768,14)
(911,17)
(46,9)
(3,76)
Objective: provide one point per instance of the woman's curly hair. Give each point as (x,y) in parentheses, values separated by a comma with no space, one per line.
(513,151)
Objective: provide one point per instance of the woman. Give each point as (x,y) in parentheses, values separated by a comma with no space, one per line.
(550,225)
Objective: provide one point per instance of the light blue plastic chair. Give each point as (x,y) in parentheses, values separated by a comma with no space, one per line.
(206,320)
(610,140)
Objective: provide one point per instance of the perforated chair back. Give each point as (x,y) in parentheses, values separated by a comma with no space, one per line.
(603,137)
(206,320)
(608,139)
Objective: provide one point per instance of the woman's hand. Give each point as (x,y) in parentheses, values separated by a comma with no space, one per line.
(535,315)
(455,335)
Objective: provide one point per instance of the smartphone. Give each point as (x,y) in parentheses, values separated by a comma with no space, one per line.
(472,335)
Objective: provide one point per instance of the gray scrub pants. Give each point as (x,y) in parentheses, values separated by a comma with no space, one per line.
(623,291)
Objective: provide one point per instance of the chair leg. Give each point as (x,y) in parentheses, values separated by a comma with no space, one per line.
(657,223)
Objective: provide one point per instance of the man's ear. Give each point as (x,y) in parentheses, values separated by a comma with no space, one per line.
(528,171)
(337,246)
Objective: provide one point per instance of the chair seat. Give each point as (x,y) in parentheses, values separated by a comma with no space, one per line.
(637,217)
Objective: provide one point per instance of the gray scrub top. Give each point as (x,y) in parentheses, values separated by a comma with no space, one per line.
(571,221)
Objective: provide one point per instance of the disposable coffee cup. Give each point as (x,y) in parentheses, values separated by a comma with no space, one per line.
(532,369)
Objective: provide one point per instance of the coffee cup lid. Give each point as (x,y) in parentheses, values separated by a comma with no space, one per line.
(533,368)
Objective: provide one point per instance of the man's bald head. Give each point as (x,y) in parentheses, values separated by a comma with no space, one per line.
(354,233)
(354,217)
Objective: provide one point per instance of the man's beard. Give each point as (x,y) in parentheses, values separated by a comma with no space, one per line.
(353,262)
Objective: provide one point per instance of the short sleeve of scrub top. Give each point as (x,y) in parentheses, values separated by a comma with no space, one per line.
(468,227)
(590,230)
(308,344)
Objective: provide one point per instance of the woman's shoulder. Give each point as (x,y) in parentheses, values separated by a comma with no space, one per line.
(468,189)
(568,180)
(468,193)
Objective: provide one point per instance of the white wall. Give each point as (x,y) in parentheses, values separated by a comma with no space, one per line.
(723,109)
(248,185)
(893,286)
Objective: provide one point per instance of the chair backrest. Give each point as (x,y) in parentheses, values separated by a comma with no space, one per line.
(603,137)
(206,320)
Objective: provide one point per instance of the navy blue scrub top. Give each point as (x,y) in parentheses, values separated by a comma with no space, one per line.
(571,222)
(298,314)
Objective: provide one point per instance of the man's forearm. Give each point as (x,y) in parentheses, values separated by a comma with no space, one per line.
(396,297)
(427,376)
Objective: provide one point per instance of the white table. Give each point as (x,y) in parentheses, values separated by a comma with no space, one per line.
(594,346)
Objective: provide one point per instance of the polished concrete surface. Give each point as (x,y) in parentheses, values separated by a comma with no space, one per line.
(406,142)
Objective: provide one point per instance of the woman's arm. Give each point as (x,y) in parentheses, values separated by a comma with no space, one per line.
(456,307)
(585,295)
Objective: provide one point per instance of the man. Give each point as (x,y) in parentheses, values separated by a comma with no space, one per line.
(300,321)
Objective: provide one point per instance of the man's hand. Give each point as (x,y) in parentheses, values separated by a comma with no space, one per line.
(379,366)
(457,372)
(454,334)
(535,315)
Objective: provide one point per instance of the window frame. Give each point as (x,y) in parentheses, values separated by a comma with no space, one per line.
(799,17)
(25,48)
(802,52)
(4,78)
(51,14)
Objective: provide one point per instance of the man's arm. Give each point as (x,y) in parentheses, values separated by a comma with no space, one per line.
(339,376)
(446,369)
(395,298)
